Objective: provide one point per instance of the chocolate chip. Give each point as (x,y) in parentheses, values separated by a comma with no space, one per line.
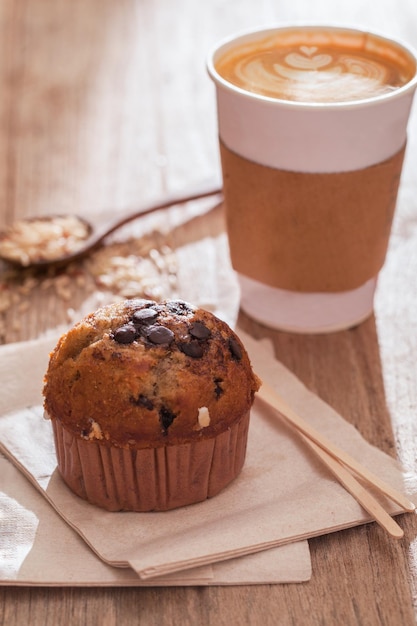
(159,334)
(218,389)
(144,316)
(125,334)
(97,354)
(140,303)
(235,348)
(199,330)
(192,348)
(179,307)
(166,417)
(143,401)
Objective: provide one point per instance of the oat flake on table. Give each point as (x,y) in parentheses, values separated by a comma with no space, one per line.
(144,267)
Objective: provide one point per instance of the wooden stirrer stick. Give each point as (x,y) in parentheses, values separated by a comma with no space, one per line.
(268,395)
(365,499)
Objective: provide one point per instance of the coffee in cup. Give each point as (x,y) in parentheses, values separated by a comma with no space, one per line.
(317,66)
(312,129)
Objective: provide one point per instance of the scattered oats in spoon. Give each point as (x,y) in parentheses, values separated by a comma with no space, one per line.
(43,238)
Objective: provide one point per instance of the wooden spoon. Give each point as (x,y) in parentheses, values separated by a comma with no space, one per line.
(34,254)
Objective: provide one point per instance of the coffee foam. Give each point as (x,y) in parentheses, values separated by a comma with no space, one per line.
(317,66)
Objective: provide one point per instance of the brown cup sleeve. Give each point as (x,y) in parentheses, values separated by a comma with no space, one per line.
(309,232)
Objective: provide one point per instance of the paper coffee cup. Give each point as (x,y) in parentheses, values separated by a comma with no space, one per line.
(310,184)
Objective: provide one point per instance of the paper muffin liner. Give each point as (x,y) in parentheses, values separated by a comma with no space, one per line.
(151,479)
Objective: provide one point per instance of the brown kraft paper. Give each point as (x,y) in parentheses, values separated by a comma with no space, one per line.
(309,232)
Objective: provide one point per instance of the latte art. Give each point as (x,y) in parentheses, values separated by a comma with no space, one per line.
(315,73)
(314,78)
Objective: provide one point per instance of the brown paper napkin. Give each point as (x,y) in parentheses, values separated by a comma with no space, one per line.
(282,495)
(37,547)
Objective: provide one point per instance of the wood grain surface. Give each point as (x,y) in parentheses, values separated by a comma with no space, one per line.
(106,104)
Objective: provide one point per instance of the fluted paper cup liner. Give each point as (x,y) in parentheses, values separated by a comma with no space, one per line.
(150,479)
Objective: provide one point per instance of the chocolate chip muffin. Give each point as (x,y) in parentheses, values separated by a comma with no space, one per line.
(150,405)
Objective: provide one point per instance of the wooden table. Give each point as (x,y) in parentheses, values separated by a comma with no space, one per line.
(105,104)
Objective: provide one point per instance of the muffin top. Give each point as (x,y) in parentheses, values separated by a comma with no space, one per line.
(143,374)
